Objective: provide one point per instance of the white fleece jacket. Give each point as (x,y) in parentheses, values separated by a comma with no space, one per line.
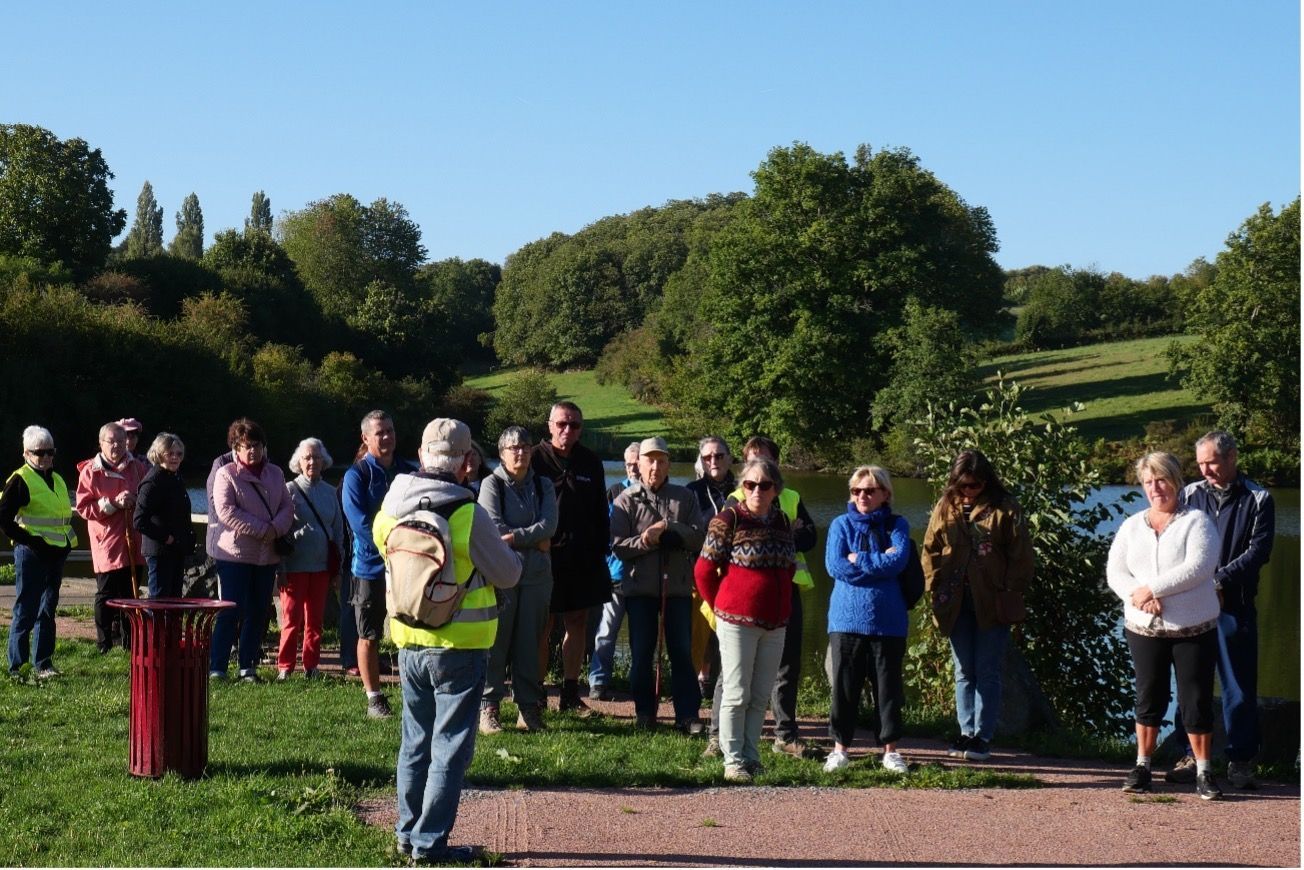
(1178,567)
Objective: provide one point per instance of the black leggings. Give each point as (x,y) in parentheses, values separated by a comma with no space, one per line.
(1154,659)
(855,658)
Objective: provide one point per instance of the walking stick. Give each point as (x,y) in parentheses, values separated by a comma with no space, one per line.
(131,561)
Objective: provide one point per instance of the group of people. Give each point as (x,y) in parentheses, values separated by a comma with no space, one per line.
(712,573)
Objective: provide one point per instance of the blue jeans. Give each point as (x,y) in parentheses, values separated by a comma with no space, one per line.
(441,708)
(643,617)
(348,625)
(250,587)
(1238,677)
(165,569)
(604,643)
(978,655)
(36,596)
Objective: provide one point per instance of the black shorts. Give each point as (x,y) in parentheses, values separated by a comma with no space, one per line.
(368,600)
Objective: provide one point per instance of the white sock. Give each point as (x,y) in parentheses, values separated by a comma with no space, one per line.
(1202,766)
(1143,761)
(371,695)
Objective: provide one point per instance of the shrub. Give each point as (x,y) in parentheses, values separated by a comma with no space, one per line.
(526,400)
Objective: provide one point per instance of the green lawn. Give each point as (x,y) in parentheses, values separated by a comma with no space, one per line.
(1123,385)
(610,412)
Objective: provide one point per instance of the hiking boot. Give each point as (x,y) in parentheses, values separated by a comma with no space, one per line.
(530,719)
(959,745)
(489,723)
(569,700)
(755,768)
(712,749)
(737,773)
(978,750)
(1138,781)
(836,761)
(794,747)
(894,762)
(1183,772)
(378,708)
(1207,787)
(1241,774)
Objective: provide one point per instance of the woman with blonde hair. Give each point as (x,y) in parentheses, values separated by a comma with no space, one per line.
(1161,564)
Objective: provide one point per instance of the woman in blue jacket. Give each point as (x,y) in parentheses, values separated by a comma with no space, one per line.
(868,547)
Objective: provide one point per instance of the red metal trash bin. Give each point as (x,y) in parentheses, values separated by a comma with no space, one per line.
(169,683)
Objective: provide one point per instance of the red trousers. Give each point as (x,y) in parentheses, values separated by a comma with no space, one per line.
(303,601)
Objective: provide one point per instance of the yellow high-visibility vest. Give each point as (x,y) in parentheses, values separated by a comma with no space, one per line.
(48,513)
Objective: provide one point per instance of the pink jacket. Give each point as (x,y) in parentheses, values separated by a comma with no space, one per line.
(115,543)
(246,528)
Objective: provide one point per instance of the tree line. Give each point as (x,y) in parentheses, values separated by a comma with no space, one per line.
(828,308)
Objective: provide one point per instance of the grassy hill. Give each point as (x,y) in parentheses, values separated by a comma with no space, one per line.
(1123,384)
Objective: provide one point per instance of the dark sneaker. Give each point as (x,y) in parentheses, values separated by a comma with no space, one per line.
(691,727)
(573,703)
(645,722)
(250,677)
(1207,787)
(1138,781)
(378,708)
(1183,772)
(958,746)
(1241,774)
(448,855)
(528,718)
(601,693)
(977,750)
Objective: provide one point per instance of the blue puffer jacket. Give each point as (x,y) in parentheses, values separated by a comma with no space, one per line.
(867,596)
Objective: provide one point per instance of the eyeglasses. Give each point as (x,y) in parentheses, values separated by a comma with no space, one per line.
(865,490)
(42,452)
(762,485)
(255,446)
(568,424)
(716,457)
(517,448)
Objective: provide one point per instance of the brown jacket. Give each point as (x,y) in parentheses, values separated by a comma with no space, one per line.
(992,551)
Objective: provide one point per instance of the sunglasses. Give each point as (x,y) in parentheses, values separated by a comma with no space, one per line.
(43,452)
(865,490)
(718,457)
(762,485)
(568,424)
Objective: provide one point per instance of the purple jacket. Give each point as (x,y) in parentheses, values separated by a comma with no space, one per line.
(246,527)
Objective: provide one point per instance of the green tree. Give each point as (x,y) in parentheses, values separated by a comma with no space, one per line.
(809,274)
(255,269)
(55,202)
(188,243)
(1060,305)
(146,236)
(460,294)
(931,362)
(260,215)
(525,400)
(1247,359)
(1071,639)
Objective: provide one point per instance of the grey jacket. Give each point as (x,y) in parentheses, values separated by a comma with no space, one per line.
(309,537)
(517,508)
(636,509)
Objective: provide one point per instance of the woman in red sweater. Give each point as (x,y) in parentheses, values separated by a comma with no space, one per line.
(745,574)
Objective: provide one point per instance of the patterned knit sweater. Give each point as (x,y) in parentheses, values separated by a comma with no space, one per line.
(745,570)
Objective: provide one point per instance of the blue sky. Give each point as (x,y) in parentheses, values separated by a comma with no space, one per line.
(1129,136)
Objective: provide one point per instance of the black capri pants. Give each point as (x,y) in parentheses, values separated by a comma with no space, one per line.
(1194,659)
(855,658)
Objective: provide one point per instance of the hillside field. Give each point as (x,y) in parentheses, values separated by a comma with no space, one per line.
(1123,385)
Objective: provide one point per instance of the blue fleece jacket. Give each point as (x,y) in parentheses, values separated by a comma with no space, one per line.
(867,596)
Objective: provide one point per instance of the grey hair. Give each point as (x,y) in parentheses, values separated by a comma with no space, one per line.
(1161,464)
(374,415)
(768,467)
(698,467)
(633,445)
(37,436)
(514,435)
(110,427)
(163,442)
(441,462)
(882,479)
(327,462)
(1223,443)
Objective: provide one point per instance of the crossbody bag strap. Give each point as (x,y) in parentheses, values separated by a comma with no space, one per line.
(325,528)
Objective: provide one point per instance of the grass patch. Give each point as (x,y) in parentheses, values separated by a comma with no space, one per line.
(1124,385)
(1154,799)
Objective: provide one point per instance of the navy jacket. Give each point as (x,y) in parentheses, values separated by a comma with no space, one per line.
(361,493)
(1246,521)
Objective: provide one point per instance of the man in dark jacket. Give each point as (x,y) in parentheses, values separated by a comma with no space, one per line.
(580,579)
(1245,516)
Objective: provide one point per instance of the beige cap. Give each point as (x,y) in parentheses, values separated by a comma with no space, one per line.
(653,445)
(446,436)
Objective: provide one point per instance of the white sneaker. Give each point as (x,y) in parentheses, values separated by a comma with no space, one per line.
(894,762)
(836,761)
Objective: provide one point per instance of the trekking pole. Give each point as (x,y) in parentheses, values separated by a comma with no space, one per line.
(131,560)
(661,629)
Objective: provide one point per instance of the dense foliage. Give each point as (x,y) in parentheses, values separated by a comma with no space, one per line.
(525,400)
(1070,640)
(55,202)
(1064,306)
(1248,319)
